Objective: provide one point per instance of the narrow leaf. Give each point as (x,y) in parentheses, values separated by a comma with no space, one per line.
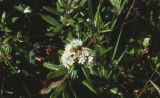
(51,10)
(74,93)
(122,6)
(55,74)
(117,43)
(58,91)
(65,94)
(82,2)
(50,34)
(58,28)
(7,39)
(114,90)
(49,88)
(97,16)
(115,3)
(85,71)
(104,31)
(89,85)
(3,17)
(19,8)
(49,19)
(52,66)
(14,19)
(60,51)
(106,50)
(120,57)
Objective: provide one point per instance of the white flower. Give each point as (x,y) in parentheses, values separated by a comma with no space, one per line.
(70,61)
(85,51)
(76,42)
(87,20)
(67,59)
(81,60)
(68,47)
(27,10)
(90,59)
(75,53)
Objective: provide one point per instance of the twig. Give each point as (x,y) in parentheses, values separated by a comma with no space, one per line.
(26,91)
(155,86)
(130,9)
(8,62)
(157,72)
(145,86)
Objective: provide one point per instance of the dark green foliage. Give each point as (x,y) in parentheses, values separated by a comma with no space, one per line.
(123,34)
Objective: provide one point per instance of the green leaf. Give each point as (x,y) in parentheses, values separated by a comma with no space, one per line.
(97,17)
(90,11)
(100,37)
(70,20)
(50,29)
(115,3)
(117,43)
(104,31)
(82,2)
(58,28)
(115,91)
(49,19)
(52,66)
(93,72)
(62,3)
(109,74)
(75,16)
(55,74)
(3,17)
(146,42)
(80,20)
(74,92)
(122,6)
(103,73)
(31,54)
(139,52)
(59,9)
(89,85)
(50,34)
(158,65)
(7,39)
(19,8)
(131,52)
(14,19)
(103,50)
(6,29)
(1,50)
(69,38)
(65,94)
(7,49)
(120,58)
(73,73)
(58,91)
(51,10)
(60,51)
(85,71)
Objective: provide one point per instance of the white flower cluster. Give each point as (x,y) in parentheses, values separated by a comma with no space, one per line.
(75,53)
